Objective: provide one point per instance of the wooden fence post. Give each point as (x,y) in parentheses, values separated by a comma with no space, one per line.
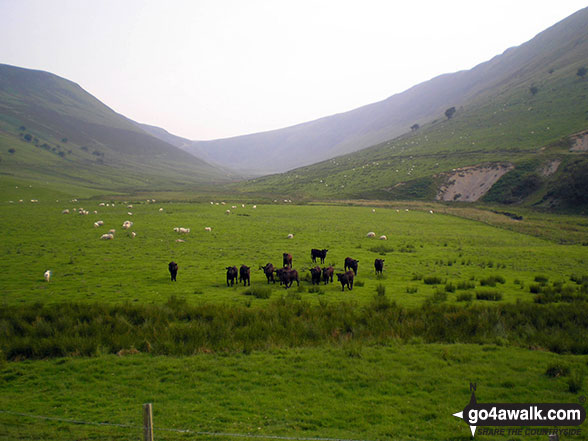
(147,422)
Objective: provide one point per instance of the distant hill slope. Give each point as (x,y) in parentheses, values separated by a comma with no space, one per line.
(519,112)
(53,131)
(562,45)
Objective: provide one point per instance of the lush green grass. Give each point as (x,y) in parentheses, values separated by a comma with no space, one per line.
(38,237)
(351,391)
(352,371)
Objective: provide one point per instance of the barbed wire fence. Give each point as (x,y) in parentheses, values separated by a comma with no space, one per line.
(148,428)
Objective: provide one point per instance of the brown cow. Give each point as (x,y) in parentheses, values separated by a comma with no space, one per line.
(287,259)
(287,277)
(269,272)
(346,279)
(245,275)
(328,274)
(351,264)
(315,274)
(232,273)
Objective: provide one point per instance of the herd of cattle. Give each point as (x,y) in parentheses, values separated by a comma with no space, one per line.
(287,275)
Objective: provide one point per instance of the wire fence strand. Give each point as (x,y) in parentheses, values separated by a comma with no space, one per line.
(164,429)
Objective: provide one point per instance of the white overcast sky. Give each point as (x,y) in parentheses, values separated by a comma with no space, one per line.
(206,69)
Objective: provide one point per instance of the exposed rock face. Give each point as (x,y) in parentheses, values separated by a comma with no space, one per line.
(469,184)
(551,167)
(580,141)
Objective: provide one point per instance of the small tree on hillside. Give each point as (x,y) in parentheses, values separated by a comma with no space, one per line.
(415,127)
(533,90)
(582,72)
(450,112)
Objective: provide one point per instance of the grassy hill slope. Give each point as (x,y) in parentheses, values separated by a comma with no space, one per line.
(55,133)
(526,115)
(559,48)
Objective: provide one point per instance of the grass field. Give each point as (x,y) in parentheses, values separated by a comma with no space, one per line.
(354,386)
(390,392)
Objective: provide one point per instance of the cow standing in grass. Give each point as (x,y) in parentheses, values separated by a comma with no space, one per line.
(328,274)
(315,274)
(379,266)
(245,275)
(351,264)
(173,270)
(288,276)
(318,254)
(232,274)
(269,272)
(346,279)
(287,260)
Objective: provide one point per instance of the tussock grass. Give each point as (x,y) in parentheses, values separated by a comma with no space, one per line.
(177,328)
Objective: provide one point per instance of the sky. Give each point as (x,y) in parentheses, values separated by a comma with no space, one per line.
(209,69)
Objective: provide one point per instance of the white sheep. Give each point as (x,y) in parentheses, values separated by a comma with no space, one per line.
(47,275)
(100,223)
(66,211)
(431,211)
(127,224)
(242,205)
(207,229)
(101,204)
(180,240)
(233,207)
(383,237)
(129,206)
(371,234)
(111,231)
(129,213)
(255,206)
(290,236)
(228,212)
(161,209)
(184,230)
(133,234)
(373,210)
(96,225)
(107,236)
(177,229)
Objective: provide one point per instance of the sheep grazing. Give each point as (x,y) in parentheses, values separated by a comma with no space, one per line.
(228,212)
(290,236)
(431,211)
(47,275)
(177,229)
(129,206)
(242,205)
(112,231)
(233,207)
(161,209)
(373,210)
(371,234)
(101,204)
(129,213)
(180,240)
(34,201)
(96,225)
(107,236)
(133,234)
(255,206)
(383,237)
(127,224)
(66,211)
(207,229)
(184,230)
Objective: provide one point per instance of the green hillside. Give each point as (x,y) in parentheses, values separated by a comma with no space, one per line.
(54,133)
(527,119)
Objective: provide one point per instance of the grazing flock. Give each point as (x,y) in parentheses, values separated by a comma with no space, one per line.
(286,275)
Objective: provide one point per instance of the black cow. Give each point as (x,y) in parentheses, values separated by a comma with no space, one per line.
(379,265)
(315,274)
(287,259)
(328,274)
(173,270)
(245,275)
(351,264)
(232,274)
(346,279)
(287,277)
(269,272)
(320,254)
(279,274)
